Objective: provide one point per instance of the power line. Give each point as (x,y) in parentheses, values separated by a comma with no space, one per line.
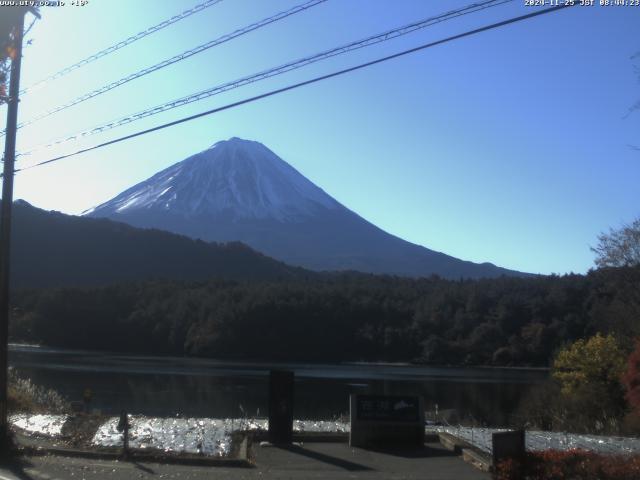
(304,83)
(28,29)
(123,43)
(177,58)
(279,70)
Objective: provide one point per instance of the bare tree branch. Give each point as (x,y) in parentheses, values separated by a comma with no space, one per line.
(619,248)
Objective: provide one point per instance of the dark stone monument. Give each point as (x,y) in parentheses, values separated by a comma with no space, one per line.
(280,406)
(386,421)
(508,445)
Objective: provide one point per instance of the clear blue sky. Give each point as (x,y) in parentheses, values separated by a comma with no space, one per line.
(510,147)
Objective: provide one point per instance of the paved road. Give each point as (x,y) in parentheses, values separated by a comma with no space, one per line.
(310,461)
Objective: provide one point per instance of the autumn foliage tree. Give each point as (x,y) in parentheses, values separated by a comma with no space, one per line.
(631,380)
(9,19)
(589,374)
(594,361)
(7,50)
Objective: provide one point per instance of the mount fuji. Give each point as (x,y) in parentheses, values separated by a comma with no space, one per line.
(239,190)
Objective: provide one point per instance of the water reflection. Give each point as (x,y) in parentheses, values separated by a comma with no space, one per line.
(166,386)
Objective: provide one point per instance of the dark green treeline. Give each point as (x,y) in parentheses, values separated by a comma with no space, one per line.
(339,317)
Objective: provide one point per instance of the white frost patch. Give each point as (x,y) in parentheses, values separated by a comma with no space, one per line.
(324,426)
(537,440)
(178,435)
(299,426)
(207,436)
(50,425)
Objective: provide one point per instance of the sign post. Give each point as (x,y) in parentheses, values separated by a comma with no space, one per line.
(386,421)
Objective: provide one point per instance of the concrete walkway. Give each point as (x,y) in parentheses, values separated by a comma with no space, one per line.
(308,461)
(339,461)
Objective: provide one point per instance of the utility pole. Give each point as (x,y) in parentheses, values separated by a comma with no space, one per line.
(5,220)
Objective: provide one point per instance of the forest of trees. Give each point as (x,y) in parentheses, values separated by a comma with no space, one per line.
(339,317)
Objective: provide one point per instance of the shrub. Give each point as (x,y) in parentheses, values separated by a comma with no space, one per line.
(597,360)
(571,464)
(24,396)
(631,379)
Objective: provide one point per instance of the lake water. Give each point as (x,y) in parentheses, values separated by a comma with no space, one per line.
(169,386)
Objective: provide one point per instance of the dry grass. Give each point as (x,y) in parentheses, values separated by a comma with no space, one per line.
(25,397)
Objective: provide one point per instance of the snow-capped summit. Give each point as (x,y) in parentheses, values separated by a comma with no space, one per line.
(235,177)
(239,190)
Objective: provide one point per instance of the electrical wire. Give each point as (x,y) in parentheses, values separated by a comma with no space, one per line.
(121,44)
(28,29)
(279,70)
(304,83)
(177,58)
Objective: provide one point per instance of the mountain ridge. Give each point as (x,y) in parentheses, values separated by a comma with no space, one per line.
(52,249)
(239,190)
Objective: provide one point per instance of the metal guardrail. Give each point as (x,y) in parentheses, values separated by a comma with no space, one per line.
(481,438)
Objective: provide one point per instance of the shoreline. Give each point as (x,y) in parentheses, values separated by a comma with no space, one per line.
(262,363)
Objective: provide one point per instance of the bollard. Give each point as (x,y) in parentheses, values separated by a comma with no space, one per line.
(510,445)
(123,426)
(87,396)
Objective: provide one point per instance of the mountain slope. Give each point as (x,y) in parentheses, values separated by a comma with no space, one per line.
(52,249)
(239,190)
